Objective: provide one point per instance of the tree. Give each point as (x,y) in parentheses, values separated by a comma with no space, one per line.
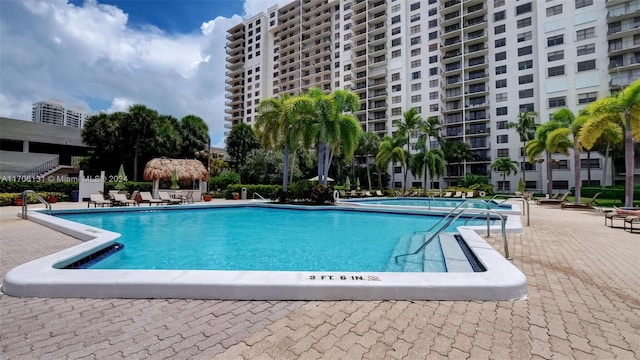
(551,137)
(622,110)
(368,146)
(424,159)
(194,135)
(410,122)
(331,127)
(525,127)
(456,152)
(142,127)
(103,132)
(168,140)
(566,117)
(240,142)
(390,151)
(506,166)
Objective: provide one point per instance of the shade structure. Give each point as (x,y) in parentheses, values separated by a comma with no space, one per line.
(186,169)
(315,178)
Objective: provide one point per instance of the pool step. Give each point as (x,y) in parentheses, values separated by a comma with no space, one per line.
(454,256)
(429,261)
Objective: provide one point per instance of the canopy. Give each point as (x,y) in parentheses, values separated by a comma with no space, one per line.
(186,169)
(315,178)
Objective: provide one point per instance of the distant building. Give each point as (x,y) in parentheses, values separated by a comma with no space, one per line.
(54,112)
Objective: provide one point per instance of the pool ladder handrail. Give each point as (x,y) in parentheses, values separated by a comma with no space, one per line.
(525,203)
(455,217)
(260,196)
(24,202)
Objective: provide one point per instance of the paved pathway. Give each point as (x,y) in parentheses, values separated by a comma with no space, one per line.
(584,303)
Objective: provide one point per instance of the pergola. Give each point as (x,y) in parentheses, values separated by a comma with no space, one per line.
(163,169)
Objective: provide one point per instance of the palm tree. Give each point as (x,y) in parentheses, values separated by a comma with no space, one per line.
(525,127)
(624,111)
(142,126)
(424,159)
(456,152)
(411,120)
(550,137)
(506,166)
(240,142)
(390,152)
(331,128)
(194,133)
(368,146)
(566,117)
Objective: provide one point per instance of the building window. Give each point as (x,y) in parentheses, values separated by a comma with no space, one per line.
(586,65)
(433,95)
(415,75)
(500,42)
(560,165)
(523,65)
(396,53)
(501,111)
(396,111)
(502,139)
(524,36)
(416,52)
(524,22)
(498,3)
(583,3)
(525,79)
(499,29)
(415,40)
(555,55)
(526,93)
(500,15)
(526,107)
(501,97)
(501,125)
(416,17)
(395,19)
(584,34)
(433,71)
(502,69)
(416,63)
(503,153)
(557,102)
(396,42)
(416,98)
(555,71)
(586,49)
(396,88)
(396,31)
(524,8)
(433,35)
(416,87)
(526,50)
(415,6)
(501,56)
(501,83)
(590,163)
(554,10)
(504,186)
(414,29)
(586,98)
(395,76)
(555,40)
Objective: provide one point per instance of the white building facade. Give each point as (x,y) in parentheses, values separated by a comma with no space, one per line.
(474,64)
(55,113)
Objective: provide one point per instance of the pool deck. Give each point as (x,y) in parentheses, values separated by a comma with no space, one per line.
(584,303)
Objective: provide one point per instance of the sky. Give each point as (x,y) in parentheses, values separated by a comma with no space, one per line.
(107,55)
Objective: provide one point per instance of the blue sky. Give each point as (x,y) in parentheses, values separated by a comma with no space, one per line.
(110,54)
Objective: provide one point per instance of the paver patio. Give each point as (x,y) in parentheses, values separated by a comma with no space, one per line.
(583,303)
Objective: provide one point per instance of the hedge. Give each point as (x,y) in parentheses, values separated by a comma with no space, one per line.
(266,191)
(65,187)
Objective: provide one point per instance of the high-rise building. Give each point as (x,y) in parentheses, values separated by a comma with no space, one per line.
(473,64)
(55,113)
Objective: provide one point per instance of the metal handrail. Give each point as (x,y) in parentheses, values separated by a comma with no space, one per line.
(260,196)
(453,219)
(518,197)
(32,174)
(24,202)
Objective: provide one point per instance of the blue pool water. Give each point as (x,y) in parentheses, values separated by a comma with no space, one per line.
(260,238)
(430,202)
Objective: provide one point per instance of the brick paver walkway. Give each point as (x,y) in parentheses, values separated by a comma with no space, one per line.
(584,303)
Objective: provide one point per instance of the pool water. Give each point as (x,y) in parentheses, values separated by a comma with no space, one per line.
(430,203)
(259,238)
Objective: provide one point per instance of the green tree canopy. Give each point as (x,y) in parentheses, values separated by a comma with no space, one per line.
(240,142)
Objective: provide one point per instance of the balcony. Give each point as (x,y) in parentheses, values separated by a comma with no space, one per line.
(625,29)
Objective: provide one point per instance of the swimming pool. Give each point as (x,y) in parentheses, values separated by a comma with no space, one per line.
(44,277)
(438,204)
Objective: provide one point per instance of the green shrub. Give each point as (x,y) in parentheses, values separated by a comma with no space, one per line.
(7,199)
(266,191)
(225,179)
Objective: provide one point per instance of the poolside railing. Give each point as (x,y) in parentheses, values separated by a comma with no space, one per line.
(24,202)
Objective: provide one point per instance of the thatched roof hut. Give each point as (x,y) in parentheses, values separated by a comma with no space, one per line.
(187,169)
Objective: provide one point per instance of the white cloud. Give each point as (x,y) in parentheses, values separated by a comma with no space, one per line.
(82,53)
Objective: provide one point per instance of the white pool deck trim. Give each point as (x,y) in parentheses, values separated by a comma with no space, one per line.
(369,202)
(40,278)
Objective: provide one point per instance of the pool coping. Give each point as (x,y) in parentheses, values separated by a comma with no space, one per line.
(501,280)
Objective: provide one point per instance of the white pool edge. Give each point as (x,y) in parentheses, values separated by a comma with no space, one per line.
(38,278)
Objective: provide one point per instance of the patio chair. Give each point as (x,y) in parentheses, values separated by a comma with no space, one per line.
(447,194)
(470,194)
(379,193)
(353,194)
(559,201)
(458,194)
(148,199)
(589,204)
(98,199)
(188,199)
(367,193)
(631,220)
(121,200)
(611,216)
(168,199)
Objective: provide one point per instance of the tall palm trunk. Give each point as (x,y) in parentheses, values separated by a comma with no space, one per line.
(320,161)
(549,175)
(578,168)
(588,167)
(368,172)
(286,168)
(606,165)
(135,159)
(629,161)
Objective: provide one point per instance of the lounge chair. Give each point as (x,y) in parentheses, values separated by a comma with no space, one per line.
(589,204)
(631,220)
(367,193)
(353,194)
(98,199)
(379,193)
(559,201)
(148,199)
(121,200)
(188,199)
(469,194)
(447,194)
(458,194)
(611,216)
(168,199)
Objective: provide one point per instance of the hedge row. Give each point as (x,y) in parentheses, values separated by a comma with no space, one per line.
(66,187)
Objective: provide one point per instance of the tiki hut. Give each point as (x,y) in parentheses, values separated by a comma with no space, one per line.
(163,169)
